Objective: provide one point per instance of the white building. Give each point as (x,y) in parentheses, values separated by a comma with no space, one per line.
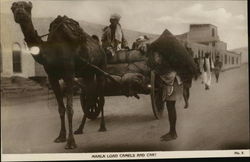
(14,55)
(203,38)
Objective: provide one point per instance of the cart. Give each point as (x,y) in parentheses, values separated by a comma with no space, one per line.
(129,63)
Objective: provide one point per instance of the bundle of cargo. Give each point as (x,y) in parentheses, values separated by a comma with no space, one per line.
(122,68)
(126,56)
(174,55)
(131,83)
(129,68)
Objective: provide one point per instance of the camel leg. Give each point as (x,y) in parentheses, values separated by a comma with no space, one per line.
(186,96)
(69,108)
(102,125)
(89,88)
(80,129)
(61,108)
(101,85)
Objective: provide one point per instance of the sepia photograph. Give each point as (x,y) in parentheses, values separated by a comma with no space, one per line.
(124,79)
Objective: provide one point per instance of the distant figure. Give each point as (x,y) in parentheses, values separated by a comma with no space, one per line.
(189,49)
(206,65)
(187,82)
(196,60)
(113,38)
(96,38)
(217,68)
(140,43)
(135,45)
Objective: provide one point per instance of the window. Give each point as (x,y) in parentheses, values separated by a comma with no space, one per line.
(1,65)
(213,44)
(237,60)
(16,58)
(232,60)
(213,32)
(225,58)
(229,60)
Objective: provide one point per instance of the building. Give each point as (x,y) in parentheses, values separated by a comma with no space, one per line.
(203,38)
(15,59)
(14,55)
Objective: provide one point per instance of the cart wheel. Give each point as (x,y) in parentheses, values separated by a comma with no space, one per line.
(93,110)
(156,96)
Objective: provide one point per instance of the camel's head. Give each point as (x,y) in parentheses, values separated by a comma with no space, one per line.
(21,11)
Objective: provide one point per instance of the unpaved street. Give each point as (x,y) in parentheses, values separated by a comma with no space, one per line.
(216,119)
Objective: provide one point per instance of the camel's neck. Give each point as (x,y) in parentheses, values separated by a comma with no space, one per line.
(32,39)
(30,34)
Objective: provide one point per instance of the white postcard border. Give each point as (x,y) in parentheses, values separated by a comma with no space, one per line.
(127,155)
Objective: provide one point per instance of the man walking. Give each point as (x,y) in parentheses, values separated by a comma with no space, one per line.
(208,64)
(187,82)
(169,93)
(217,68)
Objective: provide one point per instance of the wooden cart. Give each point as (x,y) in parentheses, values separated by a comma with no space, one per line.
(127,62)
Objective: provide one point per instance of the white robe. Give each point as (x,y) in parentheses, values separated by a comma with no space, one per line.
(206,75)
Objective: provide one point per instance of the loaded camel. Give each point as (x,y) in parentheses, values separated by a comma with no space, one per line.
(66,54)
(70,52)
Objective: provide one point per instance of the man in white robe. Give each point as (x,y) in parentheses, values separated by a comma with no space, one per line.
(206,66)
(113,38)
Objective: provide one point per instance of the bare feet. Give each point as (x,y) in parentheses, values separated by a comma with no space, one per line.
(169,136)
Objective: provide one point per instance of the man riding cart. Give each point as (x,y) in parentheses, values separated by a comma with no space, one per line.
(113,38)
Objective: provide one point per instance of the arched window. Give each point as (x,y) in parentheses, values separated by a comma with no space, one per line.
(16,58)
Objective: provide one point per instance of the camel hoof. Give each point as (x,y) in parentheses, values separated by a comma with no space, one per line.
(70,144)
(78,131)
(60,139)
(102,129)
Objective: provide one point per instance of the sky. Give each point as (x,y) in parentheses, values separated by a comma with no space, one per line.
(153,16)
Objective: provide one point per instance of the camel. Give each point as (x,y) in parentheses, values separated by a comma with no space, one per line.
(65,55)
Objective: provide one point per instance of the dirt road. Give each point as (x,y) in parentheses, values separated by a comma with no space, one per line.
(216,119)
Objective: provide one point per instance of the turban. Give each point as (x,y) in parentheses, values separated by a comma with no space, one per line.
(115,16)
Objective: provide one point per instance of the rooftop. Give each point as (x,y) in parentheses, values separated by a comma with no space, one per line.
(233,52)
(201,25)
